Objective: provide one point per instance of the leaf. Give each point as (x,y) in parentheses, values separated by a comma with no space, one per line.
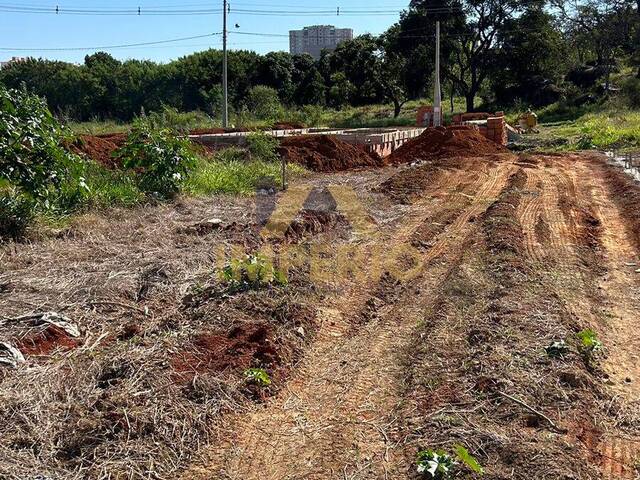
(469,460)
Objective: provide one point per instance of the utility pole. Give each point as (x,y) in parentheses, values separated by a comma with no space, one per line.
(437,93)
(225,93)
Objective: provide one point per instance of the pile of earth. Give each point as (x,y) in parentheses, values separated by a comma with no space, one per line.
(99,148)
(445,142)
(326,153)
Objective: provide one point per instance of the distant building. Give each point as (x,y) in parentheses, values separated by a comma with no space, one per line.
(14,59)
(314,39)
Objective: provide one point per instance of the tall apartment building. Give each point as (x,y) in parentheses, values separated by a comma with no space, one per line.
(314,39)
(13,59)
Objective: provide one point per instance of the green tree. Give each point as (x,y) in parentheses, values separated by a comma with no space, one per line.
(530,60)
(341,90)
(263,102)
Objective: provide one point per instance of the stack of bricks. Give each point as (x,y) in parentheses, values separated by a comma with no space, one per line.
(497,128)
(425,116)
(494,129)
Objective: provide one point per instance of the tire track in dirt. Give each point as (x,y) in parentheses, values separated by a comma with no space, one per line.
(606,297)
(621,291)
(529,212)
(332,420)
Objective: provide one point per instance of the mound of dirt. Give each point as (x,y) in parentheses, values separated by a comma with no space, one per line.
(99,148)
(441,142)
(326,153)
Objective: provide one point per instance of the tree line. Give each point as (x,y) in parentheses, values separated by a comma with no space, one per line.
(500,51)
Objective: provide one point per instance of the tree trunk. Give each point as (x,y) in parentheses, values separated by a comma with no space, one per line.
(451,98)
(396,108)
(470,97)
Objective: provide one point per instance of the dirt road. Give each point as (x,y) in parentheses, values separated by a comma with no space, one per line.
(353,407)
(508,254)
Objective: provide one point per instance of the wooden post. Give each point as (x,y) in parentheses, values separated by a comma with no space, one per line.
(284,173)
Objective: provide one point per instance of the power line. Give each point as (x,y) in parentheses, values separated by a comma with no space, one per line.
(139,11)
(107,47)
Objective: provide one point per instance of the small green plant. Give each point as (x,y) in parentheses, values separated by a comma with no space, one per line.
(557,349)
(435,464)
(440,465)
(161,158)
(257,376)
(589,344)
(251,273)
(469,460)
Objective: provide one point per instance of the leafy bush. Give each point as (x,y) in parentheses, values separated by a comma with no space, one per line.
(161,157)
(183,122)
(263,102)
(16,213)
(36,172)
(32,156)
(631,92)
(252,272)
(262,146)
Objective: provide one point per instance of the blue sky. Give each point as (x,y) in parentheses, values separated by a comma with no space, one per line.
(44,30)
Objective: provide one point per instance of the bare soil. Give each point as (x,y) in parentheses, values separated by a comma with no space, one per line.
(507,255)
(326,153)
(445,142)
(99,148)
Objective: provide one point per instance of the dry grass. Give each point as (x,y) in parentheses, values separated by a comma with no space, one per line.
(113,407)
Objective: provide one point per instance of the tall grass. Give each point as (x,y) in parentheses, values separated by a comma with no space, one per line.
(229,171)
(617,129)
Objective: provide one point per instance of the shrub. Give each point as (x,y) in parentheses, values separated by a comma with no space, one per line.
(32,156)
(183,122)
(160,156)
(262,146)
(631,92)
(16,213)
(263,102)
(36,172)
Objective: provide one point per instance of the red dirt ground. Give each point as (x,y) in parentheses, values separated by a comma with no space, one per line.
(325,153)
(99,148)
(46,341)
(444,142)
(241,348)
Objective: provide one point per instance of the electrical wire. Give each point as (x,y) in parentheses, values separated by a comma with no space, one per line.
(108,47)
